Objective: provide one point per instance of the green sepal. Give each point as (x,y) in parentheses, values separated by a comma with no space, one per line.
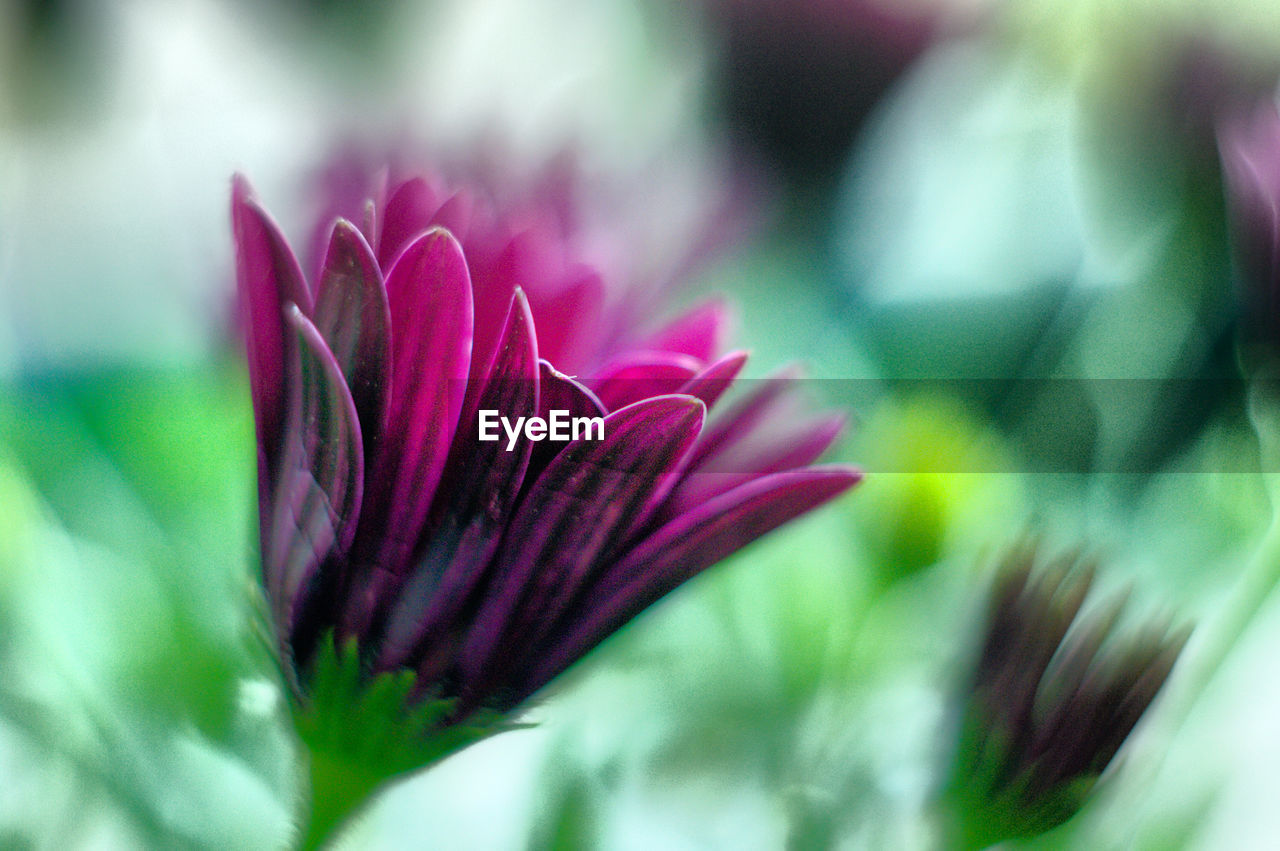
(361,731)
(984,807)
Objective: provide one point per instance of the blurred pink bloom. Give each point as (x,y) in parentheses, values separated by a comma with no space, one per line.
(1249,143)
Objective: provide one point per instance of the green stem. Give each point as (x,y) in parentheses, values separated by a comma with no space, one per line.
(1257,582)
(1261,573)
(338,790)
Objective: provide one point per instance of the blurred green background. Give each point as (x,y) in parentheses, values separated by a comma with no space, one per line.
(995,232)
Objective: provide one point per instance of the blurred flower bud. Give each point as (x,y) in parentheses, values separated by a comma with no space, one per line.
(1054,696)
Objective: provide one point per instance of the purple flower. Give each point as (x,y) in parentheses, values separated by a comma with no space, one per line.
(1054,696)
(1249,144)
(483,571)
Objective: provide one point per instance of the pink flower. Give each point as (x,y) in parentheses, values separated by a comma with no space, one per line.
(486,571)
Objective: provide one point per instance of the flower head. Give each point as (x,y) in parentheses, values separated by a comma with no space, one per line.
(480,571)
(1054,696)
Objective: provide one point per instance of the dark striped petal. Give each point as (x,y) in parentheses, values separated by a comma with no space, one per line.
(477,495)
(678,551)
(301,538)
(768,431)
(1004,615)
(329,427)
(581,510)
(268,278)
(317,502)
(1048,608)
(1143,687)
(353,317)
(803,446)
(562,392)
(1065,680)
(429,293)
(559,392)
(643,375)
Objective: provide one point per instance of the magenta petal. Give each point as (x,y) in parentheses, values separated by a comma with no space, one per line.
(680,550)
(710,384)
(268,278)
(353,317)
(496,274)
(643,375)
(744,416)
(319,494)
(564,315)
(565,301)
(409,210)
(785,445)
(477,494)
(454,215)
(429,293)
(803,445)
(585,506)
(698,333)
(346,188)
